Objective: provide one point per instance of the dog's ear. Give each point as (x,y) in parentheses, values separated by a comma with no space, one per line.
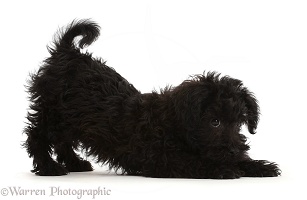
(188,100)
(252,114)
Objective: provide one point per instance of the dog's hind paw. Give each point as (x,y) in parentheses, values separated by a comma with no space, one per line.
(80,166)
(52,169)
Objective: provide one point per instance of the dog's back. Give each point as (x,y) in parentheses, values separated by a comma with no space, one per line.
(69,69)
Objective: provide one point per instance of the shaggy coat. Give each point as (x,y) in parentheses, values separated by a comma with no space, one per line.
(188,131)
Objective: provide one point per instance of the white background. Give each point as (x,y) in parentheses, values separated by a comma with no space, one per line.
(155,43)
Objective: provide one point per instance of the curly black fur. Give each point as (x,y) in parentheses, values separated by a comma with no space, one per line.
(188,131)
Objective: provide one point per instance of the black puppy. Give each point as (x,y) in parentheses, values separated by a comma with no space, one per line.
(188,131)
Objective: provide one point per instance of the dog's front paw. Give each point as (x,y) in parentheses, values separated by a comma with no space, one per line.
(259,168)
(227,174)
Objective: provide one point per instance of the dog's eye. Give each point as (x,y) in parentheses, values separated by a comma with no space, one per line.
(215,123)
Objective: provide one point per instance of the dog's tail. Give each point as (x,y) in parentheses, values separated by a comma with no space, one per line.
(86,28)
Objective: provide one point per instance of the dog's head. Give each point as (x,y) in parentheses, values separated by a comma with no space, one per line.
(215,106)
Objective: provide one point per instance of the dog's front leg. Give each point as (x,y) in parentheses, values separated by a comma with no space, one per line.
(223,171)
(259,168)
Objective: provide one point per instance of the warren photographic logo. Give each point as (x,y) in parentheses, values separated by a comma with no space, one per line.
(55,191)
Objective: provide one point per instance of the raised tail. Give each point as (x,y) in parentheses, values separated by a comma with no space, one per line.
(86,28)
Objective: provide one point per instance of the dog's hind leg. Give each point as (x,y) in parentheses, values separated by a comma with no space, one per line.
(39,147)
(39,143)
(72,162)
